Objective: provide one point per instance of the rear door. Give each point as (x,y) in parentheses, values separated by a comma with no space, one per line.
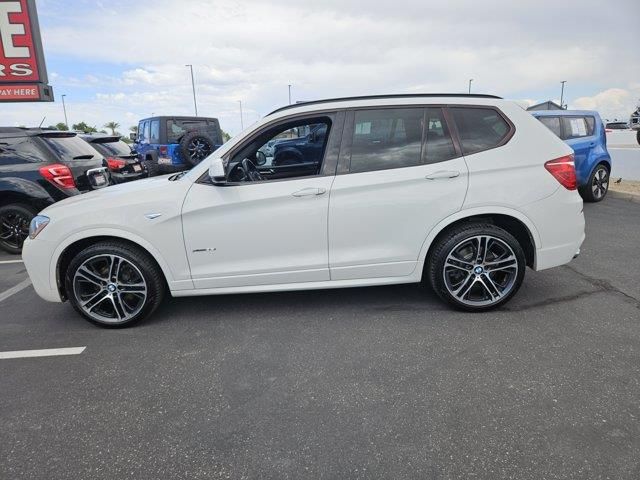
(399,175)
(579,135)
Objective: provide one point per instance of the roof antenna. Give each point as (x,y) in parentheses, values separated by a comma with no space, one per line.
(43,119)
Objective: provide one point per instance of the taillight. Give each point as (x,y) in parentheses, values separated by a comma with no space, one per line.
(164,150)
(563,169)
(115,163)
(59,175)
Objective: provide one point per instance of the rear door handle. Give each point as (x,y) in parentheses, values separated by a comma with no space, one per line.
(442,174)
(309,192)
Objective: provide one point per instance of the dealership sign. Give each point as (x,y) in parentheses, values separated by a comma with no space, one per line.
(23,73)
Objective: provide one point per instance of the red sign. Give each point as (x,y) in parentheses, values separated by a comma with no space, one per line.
(21,56)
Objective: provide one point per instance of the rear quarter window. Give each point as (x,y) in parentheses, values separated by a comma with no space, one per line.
(480,128)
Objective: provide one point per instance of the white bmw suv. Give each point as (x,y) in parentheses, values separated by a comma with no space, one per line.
(462,191)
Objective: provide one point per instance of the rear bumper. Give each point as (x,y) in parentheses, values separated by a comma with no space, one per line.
(121,177)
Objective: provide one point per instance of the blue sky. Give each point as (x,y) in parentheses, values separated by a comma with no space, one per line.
(125,60)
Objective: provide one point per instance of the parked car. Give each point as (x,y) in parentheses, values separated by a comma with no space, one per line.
(617,126)
(456,190)
(37,168)
(122,162)
(634,122)
(583,131)
(171,144)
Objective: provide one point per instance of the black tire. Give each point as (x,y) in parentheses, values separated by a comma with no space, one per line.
(196,146)
(14,226)
(599,181)
(145,266)
(151,166)
(448,242)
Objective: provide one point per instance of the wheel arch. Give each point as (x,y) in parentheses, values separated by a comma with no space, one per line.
(65,253)
(512,221)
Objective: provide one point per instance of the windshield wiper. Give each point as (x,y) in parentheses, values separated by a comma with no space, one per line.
(178,175)
(83,157)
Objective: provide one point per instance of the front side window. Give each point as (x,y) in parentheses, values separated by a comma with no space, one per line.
(574,127)
(438,142)
(386,138)
(141,132)
(479,128)
(147,132)
(553,124)
(291,150)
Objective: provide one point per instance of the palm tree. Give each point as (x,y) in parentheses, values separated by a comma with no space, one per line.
(112,126)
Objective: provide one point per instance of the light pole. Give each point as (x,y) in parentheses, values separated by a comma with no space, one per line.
(64,109)
(470,80)
(241,121)
(193,86)
(289,94)
(562,93)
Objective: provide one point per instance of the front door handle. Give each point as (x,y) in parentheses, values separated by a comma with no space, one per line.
(309,192)
(443,174)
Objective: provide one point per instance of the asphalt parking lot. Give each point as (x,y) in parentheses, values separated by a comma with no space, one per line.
(379,382)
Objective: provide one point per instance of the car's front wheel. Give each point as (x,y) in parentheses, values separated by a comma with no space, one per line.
(476,267)
(114,284)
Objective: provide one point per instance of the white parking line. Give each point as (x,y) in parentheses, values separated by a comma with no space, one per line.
(6,262)
(13,290)
(47,352)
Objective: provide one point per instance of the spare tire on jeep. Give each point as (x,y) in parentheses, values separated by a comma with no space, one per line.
(195,146)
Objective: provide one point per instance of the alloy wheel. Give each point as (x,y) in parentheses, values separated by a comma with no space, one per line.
(600,183)
(14,228)
(109,288)
(480,270)
(199,149)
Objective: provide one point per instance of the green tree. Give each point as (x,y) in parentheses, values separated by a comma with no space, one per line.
(134,129)
(112,126)
(84,127)
(61,126)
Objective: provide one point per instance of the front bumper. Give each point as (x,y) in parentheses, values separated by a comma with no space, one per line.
(36,255)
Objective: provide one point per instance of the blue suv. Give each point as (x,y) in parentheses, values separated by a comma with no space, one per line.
(170,144)
(583,131)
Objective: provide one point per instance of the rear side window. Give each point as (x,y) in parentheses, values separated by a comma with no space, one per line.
(574,127)
(480,128)
(438,142)
(386,138)
(553,124)
(19,149)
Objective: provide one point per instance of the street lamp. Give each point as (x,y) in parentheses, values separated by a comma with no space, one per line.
(470,80)
(562,93)
(64,109)
(193,86)
(241,120)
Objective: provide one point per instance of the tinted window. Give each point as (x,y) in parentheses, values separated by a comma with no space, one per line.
(479,128)
(574,127)
(552,123)
(155,132)
(118,148)
(18,149)
(387,138)
(69,148)
(438,142)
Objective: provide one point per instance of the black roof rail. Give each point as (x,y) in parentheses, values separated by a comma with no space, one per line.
(377,97)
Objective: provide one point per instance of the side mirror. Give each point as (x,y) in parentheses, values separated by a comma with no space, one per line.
(261,158)
(133,136)
(216,171)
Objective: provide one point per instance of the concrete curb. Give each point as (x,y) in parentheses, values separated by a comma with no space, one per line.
(633,197)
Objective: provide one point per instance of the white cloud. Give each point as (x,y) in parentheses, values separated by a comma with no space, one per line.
(613,103)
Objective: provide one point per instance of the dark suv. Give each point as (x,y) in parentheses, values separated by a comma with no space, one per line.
(37,168)
(123,164)
(170,144)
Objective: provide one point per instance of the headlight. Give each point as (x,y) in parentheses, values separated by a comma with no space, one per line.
(37,225)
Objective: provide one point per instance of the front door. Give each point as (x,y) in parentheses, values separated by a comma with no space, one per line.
(266,225)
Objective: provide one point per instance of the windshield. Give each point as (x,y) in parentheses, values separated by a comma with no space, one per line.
(70,147)
(117,148)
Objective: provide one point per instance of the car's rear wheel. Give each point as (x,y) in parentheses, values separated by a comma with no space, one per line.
(598,185)
(14,226)
(114,284)
(476,267)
